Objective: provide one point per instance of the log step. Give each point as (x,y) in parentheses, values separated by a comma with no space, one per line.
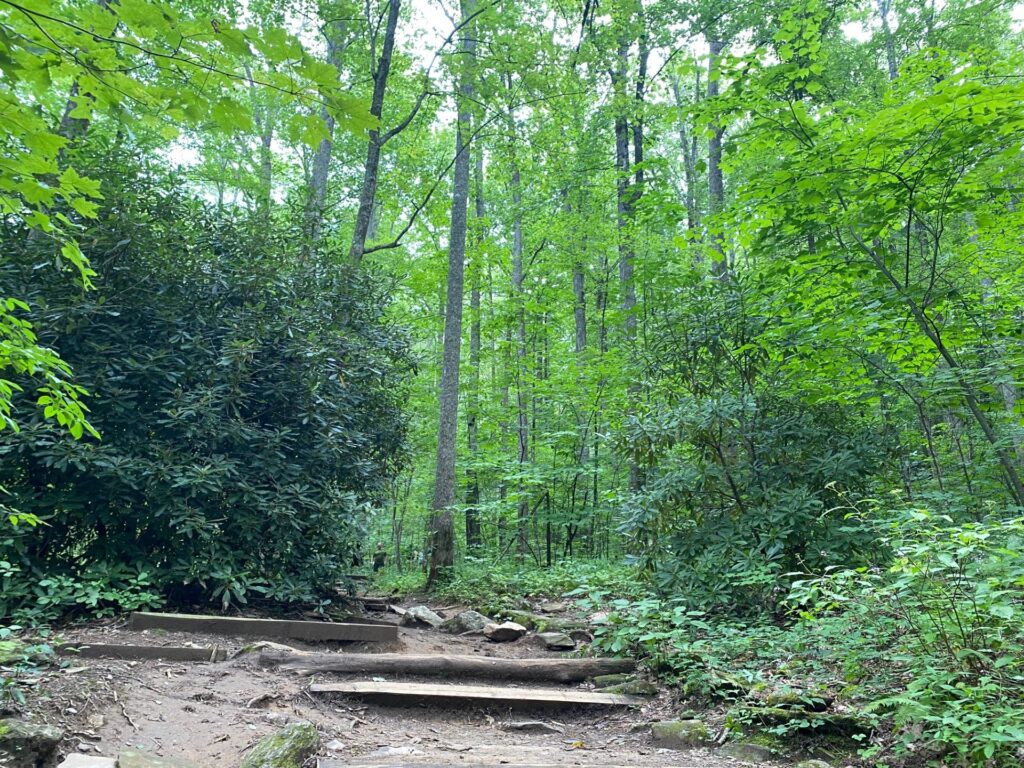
(416,693)
(547,669)
(235,626)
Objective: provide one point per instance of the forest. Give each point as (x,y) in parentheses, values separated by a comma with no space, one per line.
(704,315)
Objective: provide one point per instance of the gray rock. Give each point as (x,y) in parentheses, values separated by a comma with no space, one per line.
(24,745)
(681,734)
(557,641)
(78,760)
(746,752)
(467,621)
(133,759)
(581,636)
(504,633)
(421,616)
(813,764)
(603,681)
(553,607)
(290,747)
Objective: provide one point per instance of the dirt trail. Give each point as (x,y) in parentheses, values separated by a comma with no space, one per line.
(212,713)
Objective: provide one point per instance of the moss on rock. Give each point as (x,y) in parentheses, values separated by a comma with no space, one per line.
(681,734)
(290,747)
(603,681)
(25,745)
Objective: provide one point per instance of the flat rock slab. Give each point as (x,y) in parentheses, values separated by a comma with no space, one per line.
(415,693)
(77,760)
(131,758)
(169,653)
(233,626)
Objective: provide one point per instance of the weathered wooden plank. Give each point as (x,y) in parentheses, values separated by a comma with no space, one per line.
(417,692)
(170,653)
(457,763)
(326,763)
(230,625)
(432,665)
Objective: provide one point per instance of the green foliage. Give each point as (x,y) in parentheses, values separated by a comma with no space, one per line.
(953,593)
(250,413)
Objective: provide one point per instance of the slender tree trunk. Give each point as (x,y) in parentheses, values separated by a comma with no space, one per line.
(522,419)
(884,6)
(442,529)
(473,533)
(688,145)
(316,198)
(716,184)
(368,191)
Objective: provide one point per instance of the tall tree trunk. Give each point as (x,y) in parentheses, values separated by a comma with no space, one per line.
(519,297)
(368,191)
(884,6)
(473,533)
(313,218)
(442,528)
(716,185)
(688,145)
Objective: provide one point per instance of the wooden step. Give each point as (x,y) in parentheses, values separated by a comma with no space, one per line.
(435,665)
(236,626)
(405,763)
(416,693)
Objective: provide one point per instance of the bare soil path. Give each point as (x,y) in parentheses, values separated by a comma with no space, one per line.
(212,713)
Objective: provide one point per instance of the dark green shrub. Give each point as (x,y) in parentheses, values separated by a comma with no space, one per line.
(250,412)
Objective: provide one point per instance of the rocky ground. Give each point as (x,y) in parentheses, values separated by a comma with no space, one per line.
(215,713)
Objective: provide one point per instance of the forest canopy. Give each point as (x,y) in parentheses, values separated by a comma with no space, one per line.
(711,309)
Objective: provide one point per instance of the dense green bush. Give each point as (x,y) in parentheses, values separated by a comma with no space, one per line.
(742,491)
(249,407)
(928,640)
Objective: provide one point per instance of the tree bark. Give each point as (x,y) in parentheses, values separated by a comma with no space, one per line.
(368,191)
(884,6)
(716,184)
(442,529)
(315,201)
(553,670)
(519,297)
(473,532)
(688,144)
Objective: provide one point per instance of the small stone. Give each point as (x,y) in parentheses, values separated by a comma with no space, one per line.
(290,747)
(603,681)
(553,607)
(747,753)
(504,633)
(557,641)
(135,759)
(466,621)
(24,745)
(420,616)
(601,617)
(581,636)
(681,734)
(334,746)
(813,764)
